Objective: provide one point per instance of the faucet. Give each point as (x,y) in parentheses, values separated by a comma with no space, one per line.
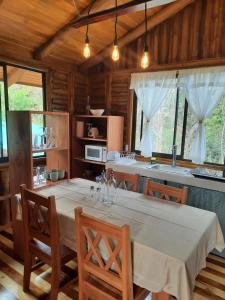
(224,168)
(174,154)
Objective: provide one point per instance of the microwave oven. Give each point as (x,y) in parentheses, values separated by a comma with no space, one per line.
(95,152)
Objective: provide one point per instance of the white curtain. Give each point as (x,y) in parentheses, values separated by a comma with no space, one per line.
(151,90)
(203,88)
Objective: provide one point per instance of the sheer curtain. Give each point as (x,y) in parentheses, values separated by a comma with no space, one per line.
(203,88)
(151,90)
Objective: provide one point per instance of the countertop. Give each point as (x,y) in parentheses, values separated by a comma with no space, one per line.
(141,168)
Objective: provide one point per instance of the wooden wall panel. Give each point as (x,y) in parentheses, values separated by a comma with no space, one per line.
(81,93)
(60,91)
(97,91)
(194,37)
(120,98)
(195,33)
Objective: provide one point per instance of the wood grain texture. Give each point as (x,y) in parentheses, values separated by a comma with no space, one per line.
(12,276)
(166,192)
(182,41)
(59,91)
(192,37)
(42,241)
(110,128)
(96,278)
(159,17)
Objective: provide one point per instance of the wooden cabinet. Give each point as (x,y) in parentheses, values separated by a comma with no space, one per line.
(21,149)
(110,136)
(5,198)
(22,156)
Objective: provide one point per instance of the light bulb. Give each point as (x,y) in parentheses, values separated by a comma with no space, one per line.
(145,60)
(87,50)
(115,53)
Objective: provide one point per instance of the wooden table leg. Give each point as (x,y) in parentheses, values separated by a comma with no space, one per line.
(160,296)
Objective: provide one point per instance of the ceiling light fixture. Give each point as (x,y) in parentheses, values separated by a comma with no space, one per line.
(87,50)
(115,52)
(145,60)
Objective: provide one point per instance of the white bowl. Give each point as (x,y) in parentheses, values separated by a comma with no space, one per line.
(97,112)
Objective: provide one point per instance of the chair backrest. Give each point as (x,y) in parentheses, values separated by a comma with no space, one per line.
(39,219)
(104,253)
(165,192)
(127,181)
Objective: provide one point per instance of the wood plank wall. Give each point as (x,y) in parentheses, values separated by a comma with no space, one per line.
(194,37)
(196,33)
(97,91)
(59,90)
(80,93)
(120,96)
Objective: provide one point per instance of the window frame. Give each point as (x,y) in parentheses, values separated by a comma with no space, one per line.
(158,154)
(4,65)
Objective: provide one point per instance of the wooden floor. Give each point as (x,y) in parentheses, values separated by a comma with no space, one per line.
(210,283)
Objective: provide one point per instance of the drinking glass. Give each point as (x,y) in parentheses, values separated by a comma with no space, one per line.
(98,194)
(103,184)
(92,192)
(111,189)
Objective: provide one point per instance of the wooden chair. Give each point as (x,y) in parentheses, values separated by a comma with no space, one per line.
(165,191)
(127,181)
(41,240)
(105,272)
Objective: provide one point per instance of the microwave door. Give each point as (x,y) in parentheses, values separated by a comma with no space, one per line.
(93,153)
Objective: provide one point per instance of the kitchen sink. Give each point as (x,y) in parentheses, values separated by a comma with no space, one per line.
(170,169)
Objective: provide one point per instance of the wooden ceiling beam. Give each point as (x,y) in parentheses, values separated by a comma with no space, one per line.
(58,38)
(159,17)
(15,75)
(124,9)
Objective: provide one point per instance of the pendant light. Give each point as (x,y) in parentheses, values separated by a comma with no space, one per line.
(87,50)
(115,52)
(145,60)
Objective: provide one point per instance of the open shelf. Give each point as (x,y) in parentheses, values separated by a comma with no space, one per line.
(90,161)
(5,197)
(22,161)
(92,139)
(49,149)
(110,136)
(48,183)
(90,116)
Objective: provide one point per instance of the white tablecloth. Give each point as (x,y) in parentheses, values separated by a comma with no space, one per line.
(170,242)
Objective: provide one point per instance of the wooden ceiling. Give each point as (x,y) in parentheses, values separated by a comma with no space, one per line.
(29,24)
(22,76)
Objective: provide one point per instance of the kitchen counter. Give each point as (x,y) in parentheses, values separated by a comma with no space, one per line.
(182,176)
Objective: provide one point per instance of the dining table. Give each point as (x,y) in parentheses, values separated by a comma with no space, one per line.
(170,241)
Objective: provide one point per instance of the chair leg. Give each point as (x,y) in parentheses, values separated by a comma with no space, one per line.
(82,296)
(55,282)
(27,272)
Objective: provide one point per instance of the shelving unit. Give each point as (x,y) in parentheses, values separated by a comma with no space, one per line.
(48,149)
(111,136)
(20,146)
(92,139)
(89,161)
(5,199)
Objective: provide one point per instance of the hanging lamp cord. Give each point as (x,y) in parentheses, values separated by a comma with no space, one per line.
(116,19)
(89,10)
(146,26)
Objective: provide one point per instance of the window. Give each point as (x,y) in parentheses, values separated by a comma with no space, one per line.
(215,134)
(3,106)
(174,123)
(20,89)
